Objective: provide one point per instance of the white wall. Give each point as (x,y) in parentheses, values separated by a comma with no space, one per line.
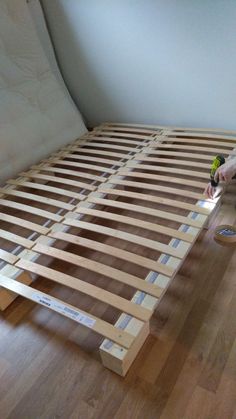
(150,61)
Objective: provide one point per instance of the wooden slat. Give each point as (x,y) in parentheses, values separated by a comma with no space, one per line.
(133,238)
(58,179)
(137,223)
(8,257)
(115,140)
(169,179)
(145,210)
(109,250)
(173,162)
(69,173)
(106,127)
(191,133)
(191,173)
(100,326)
(31,210)
(120,134)
(112,125)
(93,159)
(158,188)
(36,198)
(16,239)
(99,152)
(47,188)
(156,199)
(100,268)
(194,148)
(197,141)
(82,166)
(110,146)
(169,129)
(179,154)
(23,223)
(107,297)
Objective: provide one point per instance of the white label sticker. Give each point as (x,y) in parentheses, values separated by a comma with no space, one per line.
(66,311)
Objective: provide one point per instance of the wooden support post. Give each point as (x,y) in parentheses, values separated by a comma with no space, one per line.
(7,297)
(120,359)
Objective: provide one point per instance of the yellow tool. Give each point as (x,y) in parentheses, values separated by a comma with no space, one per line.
(217,162)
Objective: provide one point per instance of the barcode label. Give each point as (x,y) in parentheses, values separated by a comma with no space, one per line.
(62,309)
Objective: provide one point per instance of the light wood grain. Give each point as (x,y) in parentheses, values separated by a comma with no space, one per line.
(31,210)
(109,250)
(47,188)
(161,178)
(36,198)
(145,210)
(151,244)
(7,235)
(68,172)
(184,147)
(191,173)
(100,294)
(91,265)
(92,159)
(155,199)
(172,162)
(100,326)
(24,223)
(57,179)
(178,154)
(158,188)
(82,166)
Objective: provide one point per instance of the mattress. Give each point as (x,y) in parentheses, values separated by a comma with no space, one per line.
(37,114)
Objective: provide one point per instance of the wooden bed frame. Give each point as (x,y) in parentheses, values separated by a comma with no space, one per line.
(123,205)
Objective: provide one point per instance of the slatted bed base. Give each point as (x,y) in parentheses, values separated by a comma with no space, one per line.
(111,216)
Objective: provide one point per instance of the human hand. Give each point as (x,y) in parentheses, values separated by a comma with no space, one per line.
(226,172)
(210,191)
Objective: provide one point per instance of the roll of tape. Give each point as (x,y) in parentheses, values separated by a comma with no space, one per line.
(225,234)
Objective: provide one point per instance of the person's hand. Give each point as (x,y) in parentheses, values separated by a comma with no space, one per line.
(210,191)
(226,172)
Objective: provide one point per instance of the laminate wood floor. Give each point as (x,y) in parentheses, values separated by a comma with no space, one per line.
(50,367)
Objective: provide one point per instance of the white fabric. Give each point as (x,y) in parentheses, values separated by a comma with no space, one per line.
(37,115)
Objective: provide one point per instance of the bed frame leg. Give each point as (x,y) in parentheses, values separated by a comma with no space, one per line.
(7,297)
(118,359)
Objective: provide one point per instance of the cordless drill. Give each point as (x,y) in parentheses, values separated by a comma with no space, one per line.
(217,162)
